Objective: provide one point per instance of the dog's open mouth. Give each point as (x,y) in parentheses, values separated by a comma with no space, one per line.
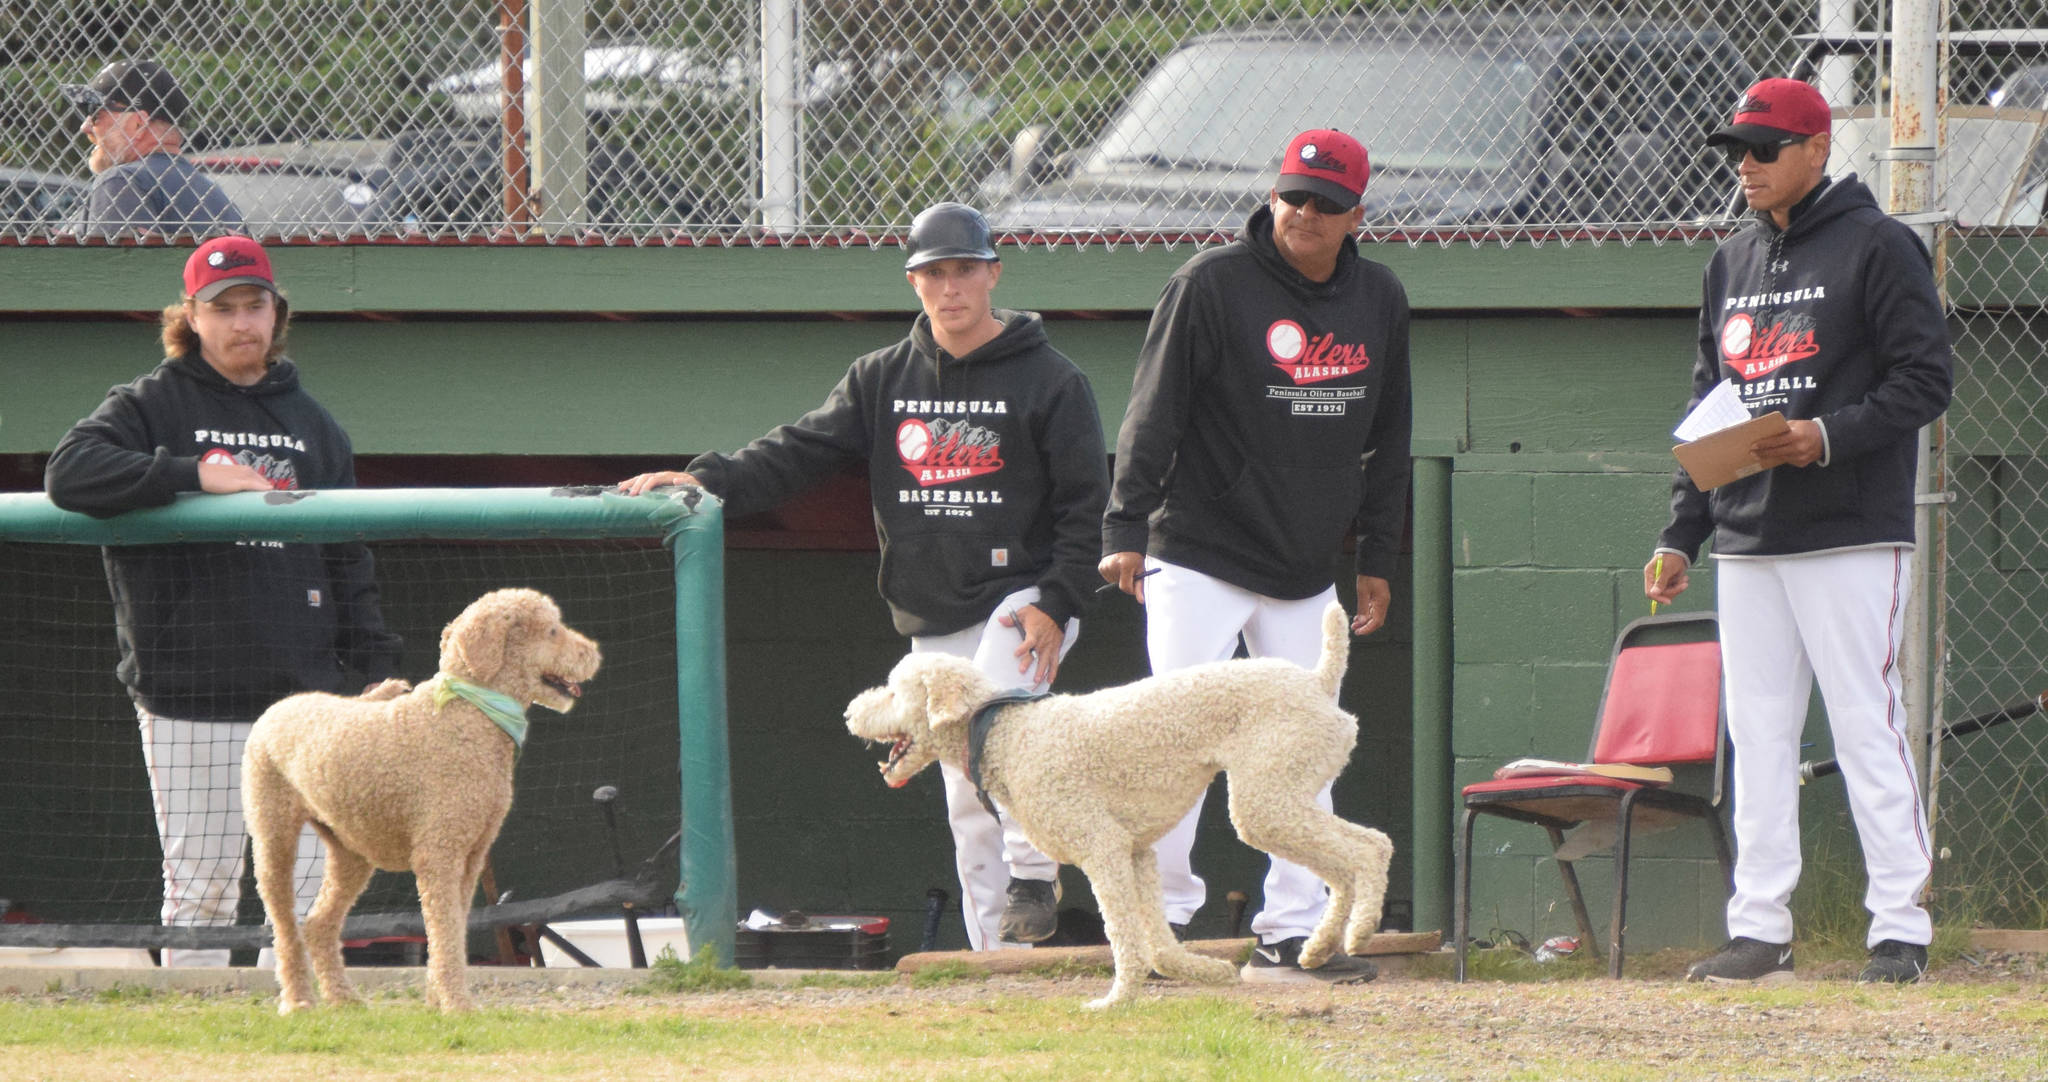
(897,751)
(564,685)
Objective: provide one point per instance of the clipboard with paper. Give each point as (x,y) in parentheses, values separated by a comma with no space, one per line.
(1716,437)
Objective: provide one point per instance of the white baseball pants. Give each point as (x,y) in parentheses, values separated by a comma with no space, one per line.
(1839,618)
(195,785)
(1191,619)
(988,852)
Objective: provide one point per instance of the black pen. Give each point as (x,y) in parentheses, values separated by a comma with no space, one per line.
(1108,586)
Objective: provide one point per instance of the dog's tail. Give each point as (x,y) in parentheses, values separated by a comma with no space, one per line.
(1336,649)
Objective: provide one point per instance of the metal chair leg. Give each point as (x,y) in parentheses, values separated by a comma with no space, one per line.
(1461,890)
(1625,819)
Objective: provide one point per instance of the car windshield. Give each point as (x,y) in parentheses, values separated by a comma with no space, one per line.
(1234,104)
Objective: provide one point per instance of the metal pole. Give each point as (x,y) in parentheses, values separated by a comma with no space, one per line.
(512,103)
(1915,81)
(560,169)
(781,114)
(1430,727)
(1837,76)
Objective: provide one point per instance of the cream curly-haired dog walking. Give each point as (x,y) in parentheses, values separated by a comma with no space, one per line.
(418,782)
(1095,779)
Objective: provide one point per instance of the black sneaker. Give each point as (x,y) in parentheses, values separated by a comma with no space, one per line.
(1032,912)
(1744,960)
(1893,962)
(1280,963)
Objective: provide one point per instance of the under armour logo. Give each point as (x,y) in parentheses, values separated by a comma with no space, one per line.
(1780,266)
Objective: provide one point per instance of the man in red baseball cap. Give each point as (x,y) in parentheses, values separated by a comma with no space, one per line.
(1273,368)
(1778,143)
(212,634)
(1825,310)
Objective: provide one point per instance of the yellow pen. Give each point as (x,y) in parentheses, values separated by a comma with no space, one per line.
(1656,577)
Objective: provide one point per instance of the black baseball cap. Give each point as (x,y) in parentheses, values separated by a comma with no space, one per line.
(143,85)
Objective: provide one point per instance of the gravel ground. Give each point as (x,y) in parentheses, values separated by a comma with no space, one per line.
(1982,1017)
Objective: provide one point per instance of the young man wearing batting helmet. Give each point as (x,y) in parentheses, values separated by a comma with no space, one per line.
(987,471)
(1269,415)
(1823,309)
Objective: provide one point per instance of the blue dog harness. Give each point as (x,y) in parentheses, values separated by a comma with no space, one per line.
(978,726)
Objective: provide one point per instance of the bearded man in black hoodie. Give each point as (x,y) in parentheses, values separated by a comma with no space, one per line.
(212,634)
(1824,309)
(1269,415)
(985,463)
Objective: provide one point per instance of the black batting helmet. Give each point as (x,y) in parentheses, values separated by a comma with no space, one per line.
(948,231)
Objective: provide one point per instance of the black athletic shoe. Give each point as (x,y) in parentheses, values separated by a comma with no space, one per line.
(1280,963)
(1744,960)
(1032,912)
(1893,962)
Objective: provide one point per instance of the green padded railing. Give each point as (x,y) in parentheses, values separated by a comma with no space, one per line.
(689,523)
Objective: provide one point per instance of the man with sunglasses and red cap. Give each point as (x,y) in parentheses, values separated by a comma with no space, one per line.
(212,634)
(133,116)
(1824,309)
(1268,417)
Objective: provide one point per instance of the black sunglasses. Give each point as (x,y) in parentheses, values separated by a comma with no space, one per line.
(1766,153)
(1324,204)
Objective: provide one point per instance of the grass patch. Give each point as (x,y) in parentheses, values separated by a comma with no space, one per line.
(879,979)
(1006,1037)
(947,973)
(668,974)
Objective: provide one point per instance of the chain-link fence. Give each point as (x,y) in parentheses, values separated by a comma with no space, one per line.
(1990,794)
(680,121)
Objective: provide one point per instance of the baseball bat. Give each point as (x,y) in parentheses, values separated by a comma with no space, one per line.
(1811,770)
(934,906)
(1236,900)
(636,948)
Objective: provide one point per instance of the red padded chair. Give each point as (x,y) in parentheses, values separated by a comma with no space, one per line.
(1661,707)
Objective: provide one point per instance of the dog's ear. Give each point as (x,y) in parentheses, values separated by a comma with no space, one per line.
(474,642)
(951,690)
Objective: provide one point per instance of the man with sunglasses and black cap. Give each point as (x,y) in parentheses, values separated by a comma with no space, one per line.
(1824,309)
(1268,417)
(133,116)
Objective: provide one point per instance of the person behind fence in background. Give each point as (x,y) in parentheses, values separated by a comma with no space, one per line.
(1270,413)
(986,465)
(212,634)
(134,111)
(1824,309)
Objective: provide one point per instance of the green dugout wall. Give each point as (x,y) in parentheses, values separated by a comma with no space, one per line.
(1547,379)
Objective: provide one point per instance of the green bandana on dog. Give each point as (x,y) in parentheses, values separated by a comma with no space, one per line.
(505,712)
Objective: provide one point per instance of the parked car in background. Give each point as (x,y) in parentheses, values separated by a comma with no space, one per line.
(435,181)
(32,201)
(1491,121)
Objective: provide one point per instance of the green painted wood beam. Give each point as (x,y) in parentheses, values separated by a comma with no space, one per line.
(399,278)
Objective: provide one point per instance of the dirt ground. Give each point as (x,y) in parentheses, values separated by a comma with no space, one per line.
(1983,1017)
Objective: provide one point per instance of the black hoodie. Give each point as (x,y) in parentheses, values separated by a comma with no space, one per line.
(1834,319)
(218,632)
(1269,413)
(987,472)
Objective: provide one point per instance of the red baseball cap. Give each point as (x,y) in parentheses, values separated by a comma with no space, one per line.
(1326,163)
(1774,109)
(225,262)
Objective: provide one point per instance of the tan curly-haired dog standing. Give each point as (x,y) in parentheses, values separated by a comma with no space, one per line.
(420,782)
(1095,779)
